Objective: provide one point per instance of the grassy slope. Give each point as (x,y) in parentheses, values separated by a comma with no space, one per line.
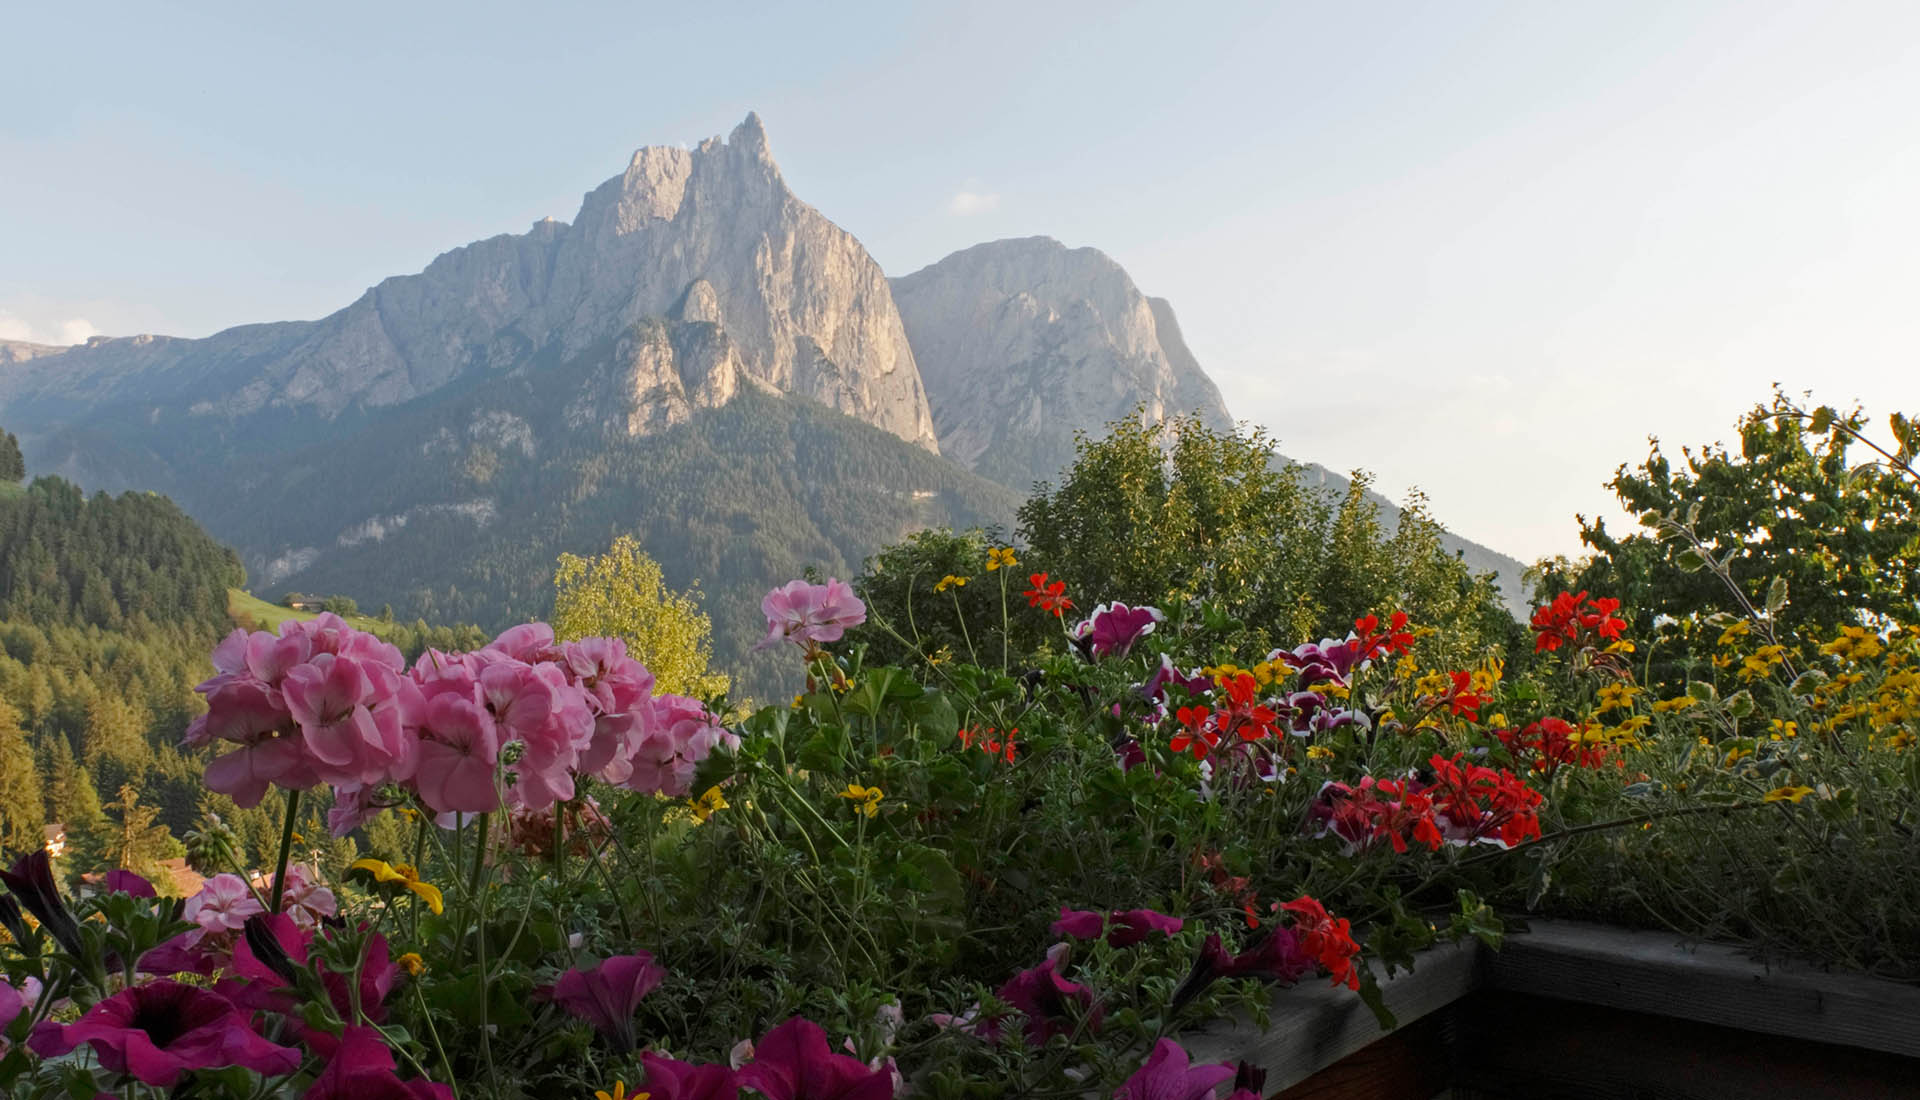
(254,613)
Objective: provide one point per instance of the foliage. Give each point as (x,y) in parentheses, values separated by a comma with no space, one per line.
(13,467)
(622,594)
(1174,513)
(1793,506)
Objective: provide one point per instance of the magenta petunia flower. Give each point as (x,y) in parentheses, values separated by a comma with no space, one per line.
(809,614)
(1048,1001)
(1278,957)
(126,882)
(30,882)
(1113,628)
(362,1068)
(1124,928)
(793,1062)
(669,1079)
(157,1031)
(1168,1075)
(606,995)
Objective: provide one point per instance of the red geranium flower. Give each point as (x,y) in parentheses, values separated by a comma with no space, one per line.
(1197,733)
(1327,939)
(1048,596)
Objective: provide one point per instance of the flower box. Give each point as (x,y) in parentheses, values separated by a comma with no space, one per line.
(1571,1009)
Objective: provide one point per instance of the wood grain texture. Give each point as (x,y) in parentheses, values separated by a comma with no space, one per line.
(1314,1025)
(1657,972)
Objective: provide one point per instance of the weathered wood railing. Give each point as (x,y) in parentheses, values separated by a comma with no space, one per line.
(1568,1009)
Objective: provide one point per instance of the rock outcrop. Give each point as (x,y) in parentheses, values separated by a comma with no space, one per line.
(1024,342)
(710,236)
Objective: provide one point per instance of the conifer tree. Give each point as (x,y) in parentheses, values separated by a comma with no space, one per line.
(135,843)
(22,810)
(13,467)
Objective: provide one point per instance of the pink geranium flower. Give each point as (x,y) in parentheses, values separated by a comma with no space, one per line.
(607,995)
(793,1062)
(459,746)
(810,614)
(221,908)
(157,1031)
(1168,1076)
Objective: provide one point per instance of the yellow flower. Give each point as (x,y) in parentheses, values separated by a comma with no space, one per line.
(1498,720)
(1319,752)
(1788,794)
(1678,702)
(1762,661)
(999,557)
(412,963)
(1733,634)
(865,800)
(406,877)
(1487,676)
(1620,645)
(1616,696)
(1854,643)
(1721,660)
(704,806)
(1734,755)
(1433,683)
(1901,739)
(1632,725)
(619,1093)
(1784,728)
(950,581)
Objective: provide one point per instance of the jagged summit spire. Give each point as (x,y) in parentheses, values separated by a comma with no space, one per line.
(750,137)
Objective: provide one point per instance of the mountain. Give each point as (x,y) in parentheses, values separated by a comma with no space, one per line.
(698,358)
(705,236)
(19,351)
(1023,343)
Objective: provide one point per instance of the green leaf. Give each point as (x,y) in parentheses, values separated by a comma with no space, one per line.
(1822,419)
(1703,690)
(1740,704)
(1776,595)
(1371,996)
(1690,560)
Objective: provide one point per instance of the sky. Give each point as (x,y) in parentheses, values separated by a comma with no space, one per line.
(1485,250)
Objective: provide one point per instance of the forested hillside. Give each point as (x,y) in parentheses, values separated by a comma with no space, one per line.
(107,608)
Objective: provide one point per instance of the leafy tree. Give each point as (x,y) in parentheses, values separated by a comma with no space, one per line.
(22,811)
(340,605)
(1176,511)
(622,593)
(13,467)
(1795,504)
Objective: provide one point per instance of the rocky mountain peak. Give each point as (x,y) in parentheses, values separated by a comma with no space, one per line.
(709,235)
(1022,342)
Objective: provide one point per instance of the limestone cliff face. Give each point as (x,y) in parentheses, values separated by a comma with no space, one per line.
(709,236)
(1023,342)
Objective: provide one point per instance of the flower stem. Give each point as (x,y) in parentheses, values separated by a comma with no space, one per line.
(286,848)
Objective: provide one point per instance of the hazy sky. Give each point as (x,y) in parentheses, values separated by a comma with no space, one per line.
(1482,249)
